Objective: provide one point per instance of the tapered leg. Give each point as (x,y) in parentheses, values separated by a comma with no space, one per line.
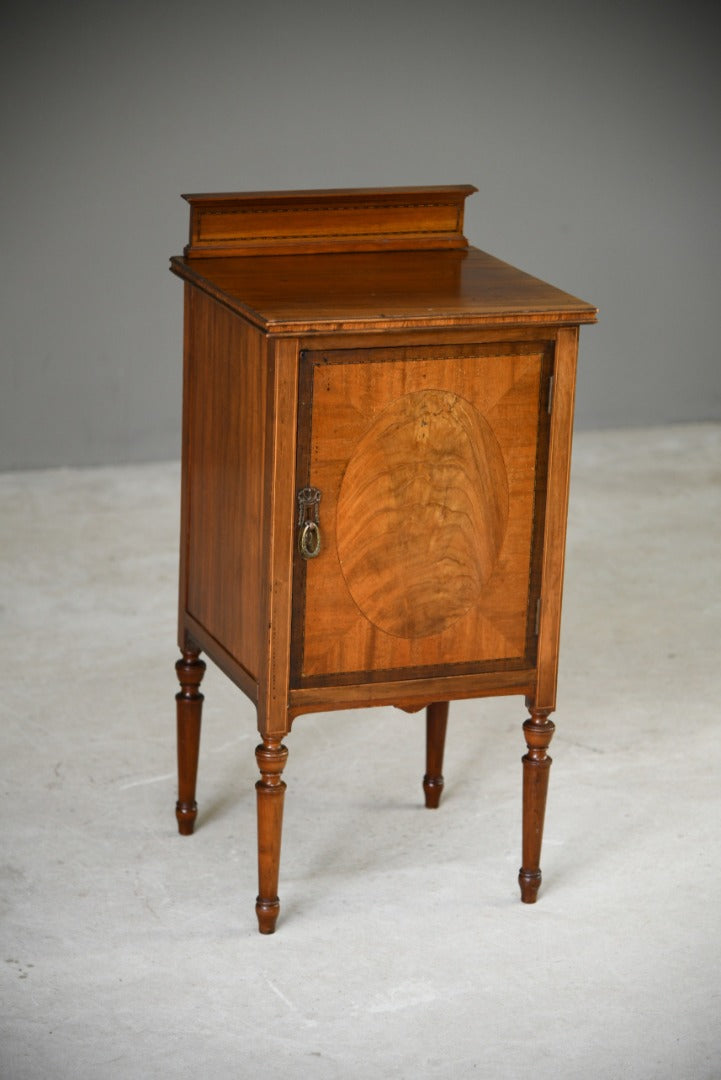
(436,722)
(190,670)
(536,766)
(271,756)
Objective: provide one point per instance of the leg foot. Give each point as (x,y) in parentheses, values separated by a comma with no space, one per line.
(530,882)
(267,912)
(190,670)
(536,765)
(436,722)
(271,756)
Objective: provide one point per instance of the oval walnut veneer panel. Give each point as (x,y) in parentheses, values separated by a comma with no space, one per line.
(422,513)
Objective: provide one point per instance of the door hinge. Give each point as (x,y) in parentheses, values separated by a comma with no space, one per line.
(538,615)
(549,403)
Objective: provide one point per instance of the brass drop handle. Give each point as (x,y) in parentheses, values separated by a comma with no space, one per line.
(308,522)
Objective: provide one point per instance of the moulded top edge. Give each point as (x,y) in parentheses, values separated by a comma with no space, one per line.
(452,190)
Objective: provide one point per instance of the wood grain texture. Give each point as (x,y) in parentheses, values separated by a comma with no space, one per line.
(225,405)
(413,692)
(554,539)
(277,567)
(427,462)
(347,219)
(422,513)
(391,290)
(220,656)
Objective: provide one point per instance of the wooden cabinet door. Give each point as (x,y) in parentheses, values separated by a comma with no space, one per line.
(431,464)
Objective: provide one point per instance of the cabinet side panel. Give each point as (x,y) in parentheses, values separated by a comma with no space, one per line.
(225,402)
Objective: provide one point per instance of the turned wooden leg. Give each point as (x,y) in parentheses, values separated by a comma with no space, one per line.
(190,670)
(436,722)
(536,766)
(271,756)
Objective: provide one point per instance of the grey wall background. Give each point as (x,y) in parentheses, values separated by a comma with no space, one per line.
(590,130)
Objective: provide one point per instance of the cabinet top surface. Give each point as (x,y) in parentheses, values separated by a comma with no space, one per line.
(368,290)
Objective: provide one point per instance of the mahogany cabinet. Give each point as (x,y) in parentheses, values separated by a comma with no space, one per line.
(376,449)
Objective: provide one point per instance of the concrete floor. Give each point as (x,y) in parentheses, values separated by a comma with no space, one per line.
(402,948)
